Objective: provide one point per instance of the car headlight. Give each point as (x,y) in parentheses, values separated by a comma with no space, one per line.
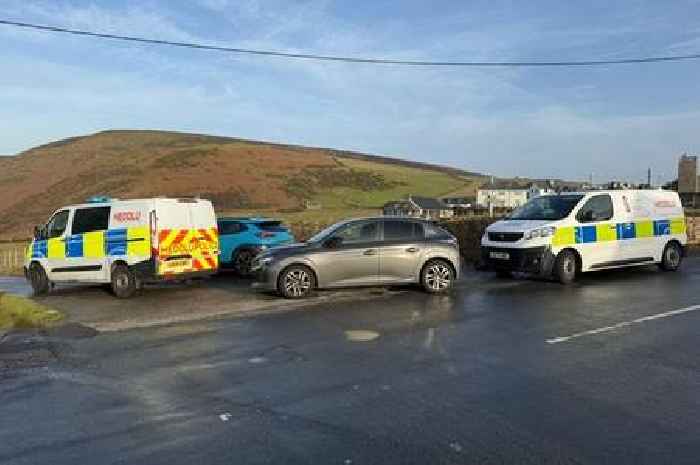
(546,231)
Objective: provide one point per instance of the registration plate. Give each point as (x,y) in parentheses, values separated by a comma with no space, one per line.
(500,255)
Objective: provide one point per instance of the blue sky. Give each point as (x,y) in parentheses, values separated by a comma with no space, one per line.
(613,121)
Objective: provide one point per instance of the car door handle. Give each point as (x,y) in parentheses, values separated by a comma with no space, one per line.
(412,249)
(370,252)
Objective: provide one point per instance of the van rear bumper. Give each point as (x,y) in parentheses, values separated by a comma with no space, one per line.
(536,260)
(146,272)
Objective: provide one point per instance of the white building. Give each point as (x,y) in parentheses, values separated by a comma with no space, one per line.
(501,195)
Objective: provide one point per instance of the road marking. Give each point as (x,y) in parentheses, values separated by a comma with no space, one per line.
(606,329)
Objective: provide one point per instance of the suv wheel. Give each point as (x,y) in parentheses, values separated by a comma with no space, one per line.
(672,258)
(242,261)
(123,282)
(437,276)
(38,279)
(565,267)
(296,281)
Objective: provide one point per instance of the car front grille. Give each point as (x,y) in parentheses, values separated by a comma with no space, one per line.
(505,236)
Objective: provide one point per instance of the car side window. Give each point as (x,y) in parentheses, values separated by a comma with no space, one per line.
(398,230)
(90,219)
(359,232)
(598,208)
(231,227)
(57,225)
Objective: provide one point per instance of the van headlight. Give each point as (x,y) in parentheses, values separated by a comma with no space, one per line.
(546,231)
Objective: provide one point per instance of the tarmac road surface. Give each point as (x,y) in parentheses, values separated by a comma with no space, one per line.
(606,371)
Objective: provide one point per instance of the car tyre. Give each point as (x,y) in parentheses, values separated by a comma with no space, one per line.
(504,274)
(565,267)
(242,261)
(437,276)
(672,257)
(39,280)
(296,282)
(124,283)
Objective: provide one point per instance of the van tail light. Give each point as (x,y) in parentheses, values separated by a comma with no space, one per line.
(265,234)
(153,225)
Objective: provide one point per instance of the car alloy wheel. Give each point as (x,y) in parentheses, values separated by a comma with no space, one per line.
(438,276)
(297,282)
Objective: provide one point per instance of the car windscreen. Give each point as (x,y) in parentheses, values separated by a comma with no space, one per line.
(325,233)
(546,207)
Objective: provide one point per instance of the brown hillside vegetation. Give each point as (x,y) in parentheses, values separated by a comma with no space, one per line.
(234,173)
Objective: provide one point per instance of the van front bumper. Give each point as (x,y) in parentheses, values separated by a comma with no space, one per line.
(536,260)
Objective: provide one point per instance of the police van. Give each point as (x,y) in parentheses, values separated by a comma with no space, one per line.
(124,243)
(564,234)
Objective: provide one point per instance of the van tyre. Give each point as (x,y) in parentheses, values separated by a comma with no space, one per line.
(565,267)
(672,257)
(296,281)
(124,283)
(38,279)
(437,276)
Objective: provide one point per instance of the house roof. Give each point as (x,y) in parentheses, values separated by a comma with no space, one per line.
(428,203)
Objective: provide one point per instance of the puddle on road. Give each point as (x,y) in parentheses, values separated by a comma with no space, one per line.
(361,335)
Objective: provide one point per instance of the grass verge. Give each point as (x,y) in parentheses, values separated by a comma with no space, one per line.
(18,312)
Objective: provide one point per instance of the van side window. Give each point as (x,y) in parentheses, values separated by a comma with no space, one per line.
(598,208)
(90,219)
(57,224)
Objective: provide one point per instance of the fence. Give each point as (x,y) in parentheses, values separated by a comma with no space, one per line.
(11,258)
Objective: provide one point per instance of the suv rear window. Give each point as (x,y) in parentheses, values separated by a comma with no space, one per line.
(274,226)
(231,227)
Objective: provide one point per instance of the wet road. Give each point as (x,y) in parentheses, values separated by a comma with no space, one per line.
(606,371)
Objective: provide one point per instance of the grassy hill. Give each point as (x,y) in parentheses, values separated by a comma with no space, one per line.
(239,176)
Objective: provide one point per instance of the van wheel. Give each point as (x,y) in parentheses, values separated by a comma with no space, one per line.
(123,282)
(565,267)
(242,261)
(437,276)
(38,279)
(672,258)
(296,281)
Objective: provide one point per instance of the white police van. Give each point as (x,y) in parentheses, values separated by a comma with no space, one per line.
(124,243)
(564,234)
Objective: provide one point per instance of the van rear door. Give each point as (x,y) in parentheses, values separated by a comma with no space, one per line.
(205,244)
(187,236)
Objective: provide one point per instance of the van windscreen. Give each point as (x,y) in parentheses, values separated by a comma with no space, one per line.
(546,207)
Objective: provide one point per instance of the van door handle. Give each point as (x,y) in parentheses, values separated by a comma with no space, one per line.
(370,252)
(412,249)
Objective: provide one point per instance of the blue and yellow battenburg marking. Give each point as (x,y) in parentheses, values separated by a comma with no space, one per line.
(131,242)
(569,235)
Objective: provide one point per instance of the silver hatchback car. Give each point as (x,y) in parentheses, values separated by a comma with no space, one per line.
(363,252)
